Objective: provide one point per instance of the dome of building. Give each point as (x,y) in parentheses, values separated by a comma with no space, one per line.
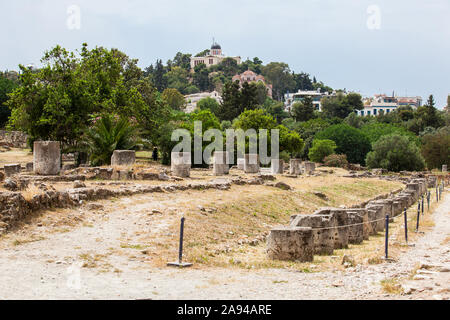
(215,45)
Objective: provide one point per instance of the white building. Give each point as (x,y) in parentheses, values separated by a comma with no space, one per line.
(385,104)
(316,95)
(214,57)
(192,99)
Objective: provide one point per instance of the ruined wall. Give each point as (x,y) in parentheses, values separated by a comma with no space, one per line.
(335,228)
(14,139)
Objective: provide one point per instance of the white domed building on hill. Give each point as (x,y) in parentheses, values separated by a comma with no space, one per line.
(214,57)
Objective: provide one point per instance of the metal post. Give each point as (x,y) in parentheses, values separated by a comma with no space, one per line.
(418,217)
(422,203)
(406,226)
(428,200)
(386,243)
(180,262)
(437,194)
(180,251)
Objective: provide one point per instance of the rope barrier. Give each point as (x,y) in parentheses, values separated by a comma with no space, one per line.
(360,223)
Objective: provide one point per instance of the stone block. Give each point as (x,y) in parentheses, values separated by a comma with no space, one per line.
(322,232)
(277,166)
(240,163)
(294,166)
(46,157)
(290,243)
(12,169)
(339,220)
(251,163)
(123,158)
(310,167)
(181,164)
(29,166)
(220,166)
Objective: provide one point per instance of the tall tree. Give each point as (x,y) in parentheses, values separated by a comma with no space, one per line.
(158,76)
(6,87)
(303,110)
(279,74)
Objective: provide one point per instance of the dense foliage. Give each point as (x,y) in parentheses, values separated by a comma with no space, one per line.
(59,101)
(395,152)
(320,149)
(350,141)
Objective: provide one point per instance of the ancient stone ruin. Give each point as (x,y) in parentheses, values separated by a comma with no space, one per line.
(277,166)
(294,166)
(240,163)
(251,163)
(220,166)
(328,229)
(309,167)
(11,169)
(181,164)
(46,157)
(123,158)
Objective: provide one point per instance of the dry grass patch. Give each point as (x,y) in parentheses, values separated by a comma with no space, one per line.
(218,238)
(31,191)
(391,286)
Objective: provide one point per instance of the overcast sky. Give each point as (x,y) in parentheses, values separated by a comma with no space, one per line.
(369,46)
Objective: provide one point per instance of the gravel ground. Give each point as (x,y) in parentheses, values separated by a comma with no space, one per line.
(50,269)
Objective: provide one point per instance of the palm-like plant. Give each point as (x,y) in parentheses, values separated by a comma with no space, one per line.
(108,135)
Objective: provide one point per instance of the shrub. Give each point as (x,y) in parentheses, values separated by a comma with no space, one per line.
(436,148)
(320,149)
(375,131)
(395,152)
(350,141)
(107,135)
(336,160)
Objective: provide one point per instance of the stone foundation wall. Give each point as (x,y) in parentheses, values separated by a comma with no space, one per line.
(14,139)
(335,228)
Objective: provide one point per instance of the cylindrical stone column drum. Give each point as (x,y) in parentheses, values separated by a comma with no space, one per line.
(294,166)
(220,166)
(46,157)
(277,166)
(181,164)
(251,163)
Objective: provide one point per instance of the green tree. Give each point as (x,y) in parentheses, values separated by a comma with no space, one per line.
(106,135)
(174,99)
(428,116)
(177,78)
(158,76)
(6,87)
(303,110)
(279,75)
(375,131)
(208,103)
(201,77)
(436,147)
(302,82)
(350,141)
(395,153)
(320,149)
(58,101)
(275,109)
(235,100)
(341,105)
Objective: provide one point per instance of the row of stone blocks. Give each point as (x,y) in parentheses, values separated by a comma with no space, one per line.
(181,164)
(47,159)
(328,229)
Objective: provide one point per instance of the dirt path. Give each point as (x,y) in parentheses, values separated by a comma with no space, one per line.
(52,268)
